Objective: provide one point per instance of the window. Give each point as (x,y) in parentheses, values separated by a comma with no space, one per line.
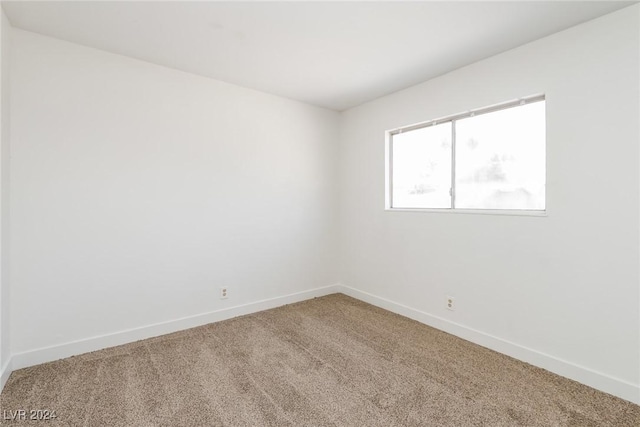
(491,159)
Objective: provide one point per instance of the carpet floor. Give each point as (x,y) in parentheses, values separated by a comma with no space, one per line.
(330,361)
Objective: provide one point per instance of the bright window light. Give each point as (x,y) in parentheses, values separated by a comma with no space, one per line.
(422,167)
(490,159)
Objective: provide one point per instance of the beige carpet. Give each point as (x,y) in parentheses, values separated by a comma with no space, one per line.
(328,361)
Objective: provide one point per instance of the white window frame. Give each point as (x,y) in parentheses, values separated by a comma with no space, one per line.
(452,118)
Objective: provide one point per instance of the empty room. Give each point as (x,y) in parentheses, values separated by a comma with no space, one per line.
(330,213)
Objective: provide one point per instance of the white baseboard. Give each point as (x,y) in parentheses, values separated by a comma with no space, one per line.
(49,354)
(581,374)
(5,373)
(597,380)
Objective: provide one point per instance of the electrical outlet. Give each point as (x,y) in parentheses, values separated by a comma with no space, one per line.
(224,292)
(451,303)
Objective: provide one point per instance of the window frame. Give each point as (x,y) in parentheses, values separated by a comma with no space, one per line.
(453,118)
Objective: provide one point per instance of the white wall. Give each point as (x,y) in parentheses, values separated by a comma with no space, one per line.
(5,354)
(561,291)
(138,190)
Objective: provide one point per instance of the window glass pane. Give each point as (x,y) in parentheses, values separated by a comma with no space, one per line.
(500,159)
(421,162)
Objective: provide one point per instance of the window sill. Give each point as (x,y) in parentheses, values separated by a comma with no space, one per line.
(473,211)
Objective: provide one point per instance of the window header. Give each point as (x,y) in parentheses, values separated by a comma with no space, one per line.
(470,113)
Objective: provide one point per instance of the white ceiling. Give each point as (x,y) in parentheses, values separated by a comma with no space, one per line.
(331,54)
